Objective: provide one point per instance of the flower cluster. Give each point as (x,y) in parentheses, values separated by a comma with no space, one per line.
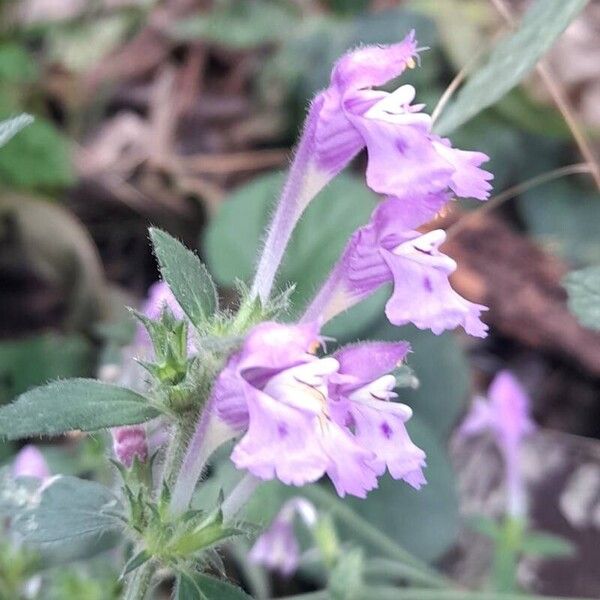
(305,416)
(299,413)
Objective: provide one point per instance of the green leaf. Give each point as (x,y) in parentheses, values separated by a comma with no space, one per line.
(28,362)
(239,24)
(490,528)
(85,404)
(511,60)
(234,237)
(203,587)
(546,545)
(135,561)
(346,577)
(584,295)
(74,518)
(566,219)
(10,127)
(187,277)
(38,158)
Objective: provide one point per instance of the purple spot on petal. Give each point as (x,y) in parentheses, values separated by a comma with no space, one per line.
(386,430)
(282,430)
(427,284)
(401,145)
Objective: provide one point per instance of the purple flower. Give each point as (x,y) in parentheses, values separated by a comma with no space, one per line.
(385,251)
(277,548)
(305,416)
(130,442)
(506,416)
(405,157)
(30,462)
(406,160)
(363,394)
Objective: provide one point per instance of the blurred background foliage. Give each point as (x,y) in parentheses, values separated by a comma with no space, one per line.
(182,114)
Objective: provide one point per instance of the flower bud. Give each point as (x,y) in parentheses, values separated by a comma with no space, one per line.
(30,462)
(129,442)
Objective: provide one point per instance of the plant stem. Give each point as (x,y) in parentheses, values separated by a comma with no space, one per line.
(240,494)
(515,190)
(209,434)
(140,582)
(373,536)
(302,184)
(392,569)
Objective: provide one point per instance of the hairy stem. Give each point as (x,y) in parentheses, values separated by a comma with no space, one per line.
(209,434)
(140,582)
(301,186)
(239,496)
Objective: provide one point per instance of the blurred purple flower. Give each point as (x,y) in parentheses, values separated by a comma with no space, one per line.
(277,548)
(30,462)
(383,251)
(130,442)
(304,416)
(506,416)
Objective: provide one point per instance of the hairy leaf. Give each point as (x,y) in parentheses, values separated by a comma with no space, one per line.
(187,277)
(85,404)
(511,60)
(74,518)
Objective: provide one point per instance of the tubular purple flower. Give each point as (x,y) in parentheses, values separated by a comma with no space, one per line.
(385,251)
(404,156)
(277,548)
(30,462)
(506,416)
(303,416)
(130,442)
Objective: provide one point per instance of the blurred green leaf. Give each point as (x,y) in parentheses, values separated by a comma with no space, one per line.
(584,295)
(566,218)
(16,65)
(346,577)
(73,518)
(234,237)
(45,241)
(203,587)
(187,277)
(38,158)
(510,60)
(427,521)
(239,24)
(304,63)
(32,361)
(86,404)
(10,127)
(546,545)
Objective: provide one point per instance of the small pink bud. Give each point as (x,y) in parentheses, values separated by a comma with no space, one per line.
(30,462)
(129,442)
